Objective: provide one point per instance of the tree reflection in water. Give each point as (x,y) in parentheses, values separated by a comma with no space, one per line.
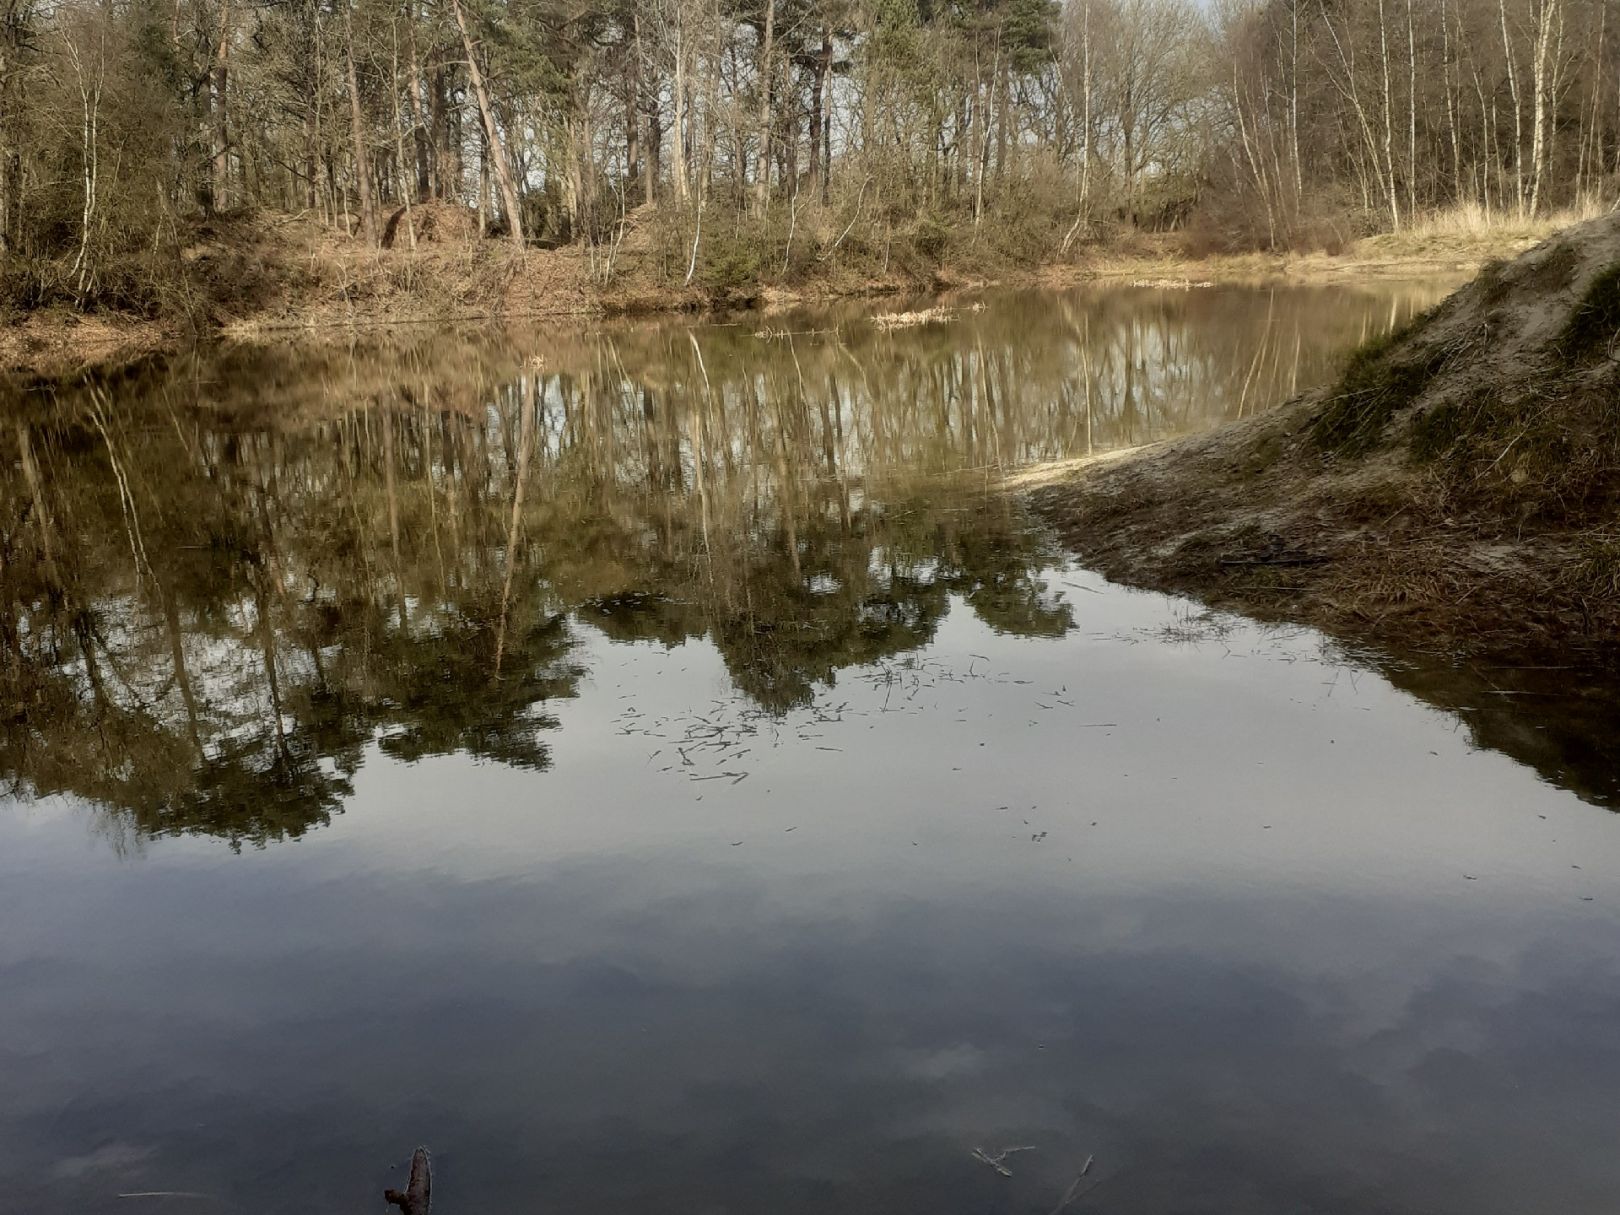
(226,577)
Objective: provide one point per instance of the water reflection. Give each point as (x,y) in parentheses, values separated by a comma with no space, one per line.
(870,831)
(226,575)
(1241,965)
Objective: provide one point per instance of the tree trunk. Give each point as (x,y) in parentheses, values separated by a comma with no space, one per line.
(1452,103)
(497,153)
(11,33)
(1003,116)
(1293,101)
(483,184)
(573,179)
(1128,116)
(826,148)
(678,147)
(1411,116)
(446,157)
(649,150)
(632,108)
(1518,110)
(1595,124)
(357,132)
(1389,120)
(421,143)
(312,124)
(222,154)
(652,161)
(399,146)
(1539,100)
(818,101)
(762,174)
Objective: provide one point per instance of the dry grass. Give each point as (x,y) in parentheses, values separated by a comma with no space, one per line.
(1457,240)
(937,315)
(1468,232)
(1475,221)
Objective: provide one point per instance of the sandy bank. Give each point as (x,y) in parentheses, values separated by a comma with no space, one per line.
(1457,490)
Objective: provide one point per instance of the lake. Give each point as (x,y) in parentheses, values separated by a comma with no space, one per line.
(651,764)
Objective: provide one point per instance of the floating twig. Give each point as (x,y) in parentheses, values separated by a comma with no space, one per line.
(1073,1192)
(998,1161)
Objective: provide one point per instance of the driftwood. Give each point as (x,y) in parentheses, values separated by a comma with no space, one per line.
(418,1196)
(999,1160)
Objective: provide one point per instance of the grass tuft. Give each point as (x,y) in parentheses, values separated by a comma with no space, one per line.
(1435,432)
(1595,323)
(1381,378)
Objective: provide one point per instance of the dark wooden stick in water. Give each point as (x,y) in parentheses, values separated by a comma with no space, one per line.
(418,1196)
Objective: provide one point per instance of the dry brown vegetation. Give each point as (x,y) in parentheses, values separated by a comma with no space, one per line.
(1458,487)
(262,277)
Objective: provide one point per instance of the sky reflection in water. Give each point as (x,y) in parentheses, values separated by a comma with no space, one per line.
(670,797)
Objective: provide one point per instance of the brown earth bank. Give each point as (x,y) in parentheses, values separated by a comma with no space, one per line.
(266,278)
(1457,491)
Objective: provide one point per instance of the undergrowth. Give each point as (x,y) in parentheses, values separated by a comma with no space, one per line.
(1595,323)
(1548,454)
(1598,566)
(1380,379)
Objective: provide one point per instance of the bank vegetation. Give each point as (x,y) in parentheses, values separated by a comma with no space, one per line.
(211,161)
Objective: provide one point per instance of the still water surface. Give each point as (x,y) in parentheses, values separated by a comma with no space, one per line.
(649,767)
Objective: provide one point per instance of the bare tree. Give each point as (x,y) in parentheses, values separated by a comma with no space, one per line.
(492,135)
(357,133)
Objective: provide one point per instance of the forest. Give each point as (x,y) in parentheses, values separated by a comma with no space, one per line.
(746,140)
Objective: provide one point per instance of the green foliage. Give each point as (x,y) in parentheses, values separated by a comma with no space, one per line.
(894,29)
(731,263)
(931,237)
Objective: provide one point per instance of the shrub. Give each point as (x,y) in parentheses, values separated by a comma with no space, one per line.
(931,237)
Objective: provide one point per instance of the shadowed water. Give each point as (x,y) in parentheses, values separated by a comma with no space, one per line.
(652,767)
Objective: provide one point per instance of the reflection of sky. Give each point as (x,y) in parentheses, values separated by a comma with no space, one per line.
(1315,953)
